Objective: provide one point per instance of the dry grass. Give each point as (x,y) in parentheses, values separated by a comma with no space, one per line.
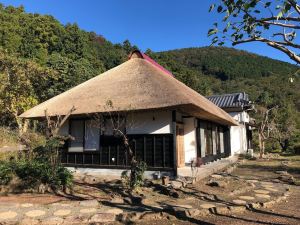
(8,137)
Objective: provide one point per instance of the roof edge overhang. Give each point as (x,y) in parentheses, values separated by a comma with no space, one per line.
(191,109)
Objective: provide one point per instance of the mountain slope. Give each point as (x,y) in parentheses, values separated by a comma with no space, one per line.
(227,63)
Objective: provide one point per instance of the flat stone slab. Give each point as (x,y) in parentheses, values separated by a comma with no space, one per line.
(253,181)
(244,197)
(272,189)
(26,205)
(262,196)
(261,191)
(217,176)
(267,186)
(62,212)
(89,203)
(239,202)
(8,215)
(35,213)
(52,221)
(266,183)
(102,218)
(184,206)
(89,210)
(115,211)
(207,206)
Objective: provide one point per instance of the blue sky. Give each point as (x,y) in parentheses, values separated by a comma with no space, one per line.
(157,24)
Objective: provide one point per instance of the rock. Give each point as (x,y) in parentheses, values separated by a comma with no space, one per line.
(262,196)
(287,178)
(239,202)
(207,206)
(89,203)
(35,213)
(26,205)
(117,200)
(217,176)
(103,218)
(262,191)
(89,179)
(29,221)
(68,191)
(219,183)
(192,212)
(133,200)
(244,197)
(88,210)
(127,200)
(176,184)
(174,194)
(75,220)
(62,212)
(42,188)
(52,221)
(282,172)
(115,211)
(8,215)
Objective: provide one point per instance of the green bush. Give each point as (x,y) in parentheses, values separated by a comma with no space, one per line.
(6,173)
(35,172)
(136,177)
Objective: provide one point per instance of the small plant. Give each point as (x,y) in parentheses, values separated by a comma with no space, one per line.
(6,173)
(136,177)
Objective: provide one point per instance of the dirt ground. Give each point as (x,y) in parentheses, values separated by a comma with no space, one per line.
(108,193)
(285,212)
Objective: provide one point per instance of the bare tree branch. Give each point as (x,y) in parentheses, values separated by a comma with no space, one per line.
(273,44)
(295,5)
(292,26)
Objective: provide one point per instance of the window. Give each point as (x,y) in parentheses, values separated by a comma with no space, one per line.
(211,139)
(208,136)
(91,142)
(85,135)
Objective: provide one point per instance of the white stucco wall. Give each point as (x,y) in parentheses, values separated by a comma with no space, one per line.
(150,122)
(156,122)
(190,145)
(238,139)
(240,116)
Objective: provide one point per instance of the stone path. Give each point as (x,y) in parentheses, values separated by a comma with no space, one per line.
(92,211)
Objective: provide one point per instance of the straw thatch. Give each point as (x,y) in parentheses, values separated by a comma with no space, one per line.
(136,84)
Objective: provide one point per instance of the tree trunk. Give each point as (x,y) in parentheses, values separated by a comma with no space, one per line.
(284,145)
(261,145)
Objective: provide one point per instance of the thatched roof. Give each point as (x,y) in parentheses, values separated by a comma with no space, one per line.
(137,84)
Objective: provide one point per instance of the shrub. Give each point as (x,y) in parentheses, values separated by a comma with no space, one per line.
(6,173)
(35,172)
(136,177)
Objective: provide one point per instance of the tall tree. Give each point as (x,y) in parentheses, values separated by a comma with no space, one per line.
(274,23)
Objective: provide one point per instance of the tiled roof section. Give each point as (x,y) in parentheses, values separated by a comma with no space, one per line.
(234,100)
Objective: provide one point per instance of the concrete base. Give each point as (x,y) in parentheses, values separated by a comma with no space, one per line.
(111,174)
(208,169)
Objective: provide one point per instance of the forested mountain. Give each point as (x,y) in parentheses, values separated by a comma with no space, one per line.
(40,58)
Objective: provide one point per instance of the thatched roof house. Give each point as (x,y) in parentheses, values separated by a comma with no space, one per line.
(187,124)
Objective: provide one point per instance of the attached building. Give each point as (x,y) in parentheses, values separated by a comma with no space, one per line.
(238,106)
(169,124)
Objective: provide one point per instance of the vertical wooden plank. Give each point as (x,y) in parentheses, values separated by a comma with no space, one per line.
(163,152)
(118,154)
(109,155)
(154,150)
(145,149)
